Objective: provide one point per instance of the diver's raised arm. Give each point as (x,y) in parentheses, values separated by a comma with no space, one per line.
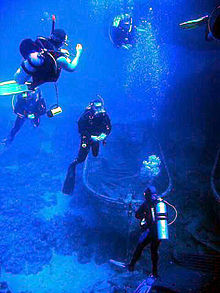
(66,63)
(191,24)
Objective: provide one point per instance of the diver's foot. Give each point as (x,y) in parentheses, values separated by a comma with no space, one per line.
(6,141)
(4,144)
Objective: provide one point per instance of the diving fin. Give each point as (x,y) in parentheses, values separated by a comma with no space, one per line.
(146,285)
(69,182)
(11,87)
(118,263)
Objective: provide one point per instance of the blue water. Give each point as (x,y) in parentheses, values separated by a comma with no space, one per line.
(166,86)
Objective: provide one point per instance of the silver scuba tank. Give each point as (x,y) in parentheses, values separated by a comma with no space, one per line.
(161,219)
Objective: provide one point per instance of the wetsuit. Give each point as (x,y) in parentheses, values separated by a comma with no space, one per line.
(88,125)
(33,104)
(47,70)
(148,236)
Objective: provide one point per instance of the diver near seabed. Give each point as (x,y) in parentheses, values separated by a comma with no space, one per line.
(153,218)
(28,105)
(212,23)
(153,222)
(154,228)
(94,126)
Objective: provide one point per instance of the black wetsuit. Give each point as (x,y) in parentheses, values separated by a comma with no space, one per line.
(24,106)
(88,125)
(148,236)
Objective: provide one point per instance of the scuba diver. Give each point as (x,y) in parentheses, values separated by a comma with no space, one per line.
(44,59)
(121,32)
(146,214)
(94,126)
(28,105)
(153,222)
(212,23)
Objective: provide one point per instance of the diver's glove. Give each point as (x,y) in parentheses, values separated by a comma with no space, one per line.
(94,138)
(31,116)
(101,137)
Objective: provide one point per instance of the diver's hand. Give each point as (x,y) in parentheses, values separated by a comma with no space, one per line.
(65,52)
(31,116)
(102,136)
(79,49)
(94,138)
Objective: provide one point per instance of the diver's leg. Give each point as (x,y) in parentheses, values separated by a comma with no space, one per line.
(17,126)
(69,182)
(143,241)
(41,107)
(84,149)
(36,121)
(95,148)
(154,256)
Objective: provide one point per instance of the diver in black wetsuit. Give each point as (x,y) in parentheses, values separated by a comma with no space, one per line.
(122,31)
(94,126)
(146,214)
(212,23)
(44,59)
(28,105)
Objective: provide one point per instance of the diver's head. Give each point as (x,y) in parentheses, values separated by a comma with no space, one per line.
(97,106)
(150,194)
(58,37)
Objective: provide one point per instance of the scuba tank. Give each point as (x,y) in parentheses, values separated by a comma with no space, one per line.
(161,220)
